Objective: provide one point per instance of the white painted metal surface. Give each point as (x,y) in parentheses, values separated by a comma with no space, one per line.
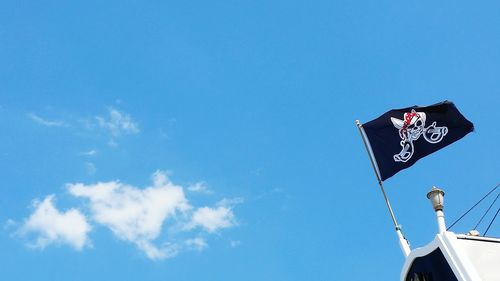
(403,243)
(484,255)
(470,258)
(440,221)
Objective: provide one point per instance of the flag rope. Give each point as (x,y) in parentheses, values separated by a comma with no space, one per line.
(487,194)
(487,211)
(491,222)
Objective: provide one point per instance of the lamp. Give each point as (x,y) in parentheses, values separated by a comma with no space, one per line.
(436,196)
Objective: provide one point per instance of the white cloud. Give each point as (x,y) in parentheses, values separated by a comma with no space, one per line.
(133,214)
(157,219)
(118,123)
(45,122)
(197,243)
(212,219)
(53,226)
(200,187)
(91,152)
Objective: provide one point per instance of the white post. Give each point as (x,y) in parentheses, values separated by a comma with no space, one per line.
(440,221)
(403,243)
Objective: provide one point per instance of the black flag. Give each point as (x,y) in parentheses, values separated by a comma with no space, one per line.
(400,137)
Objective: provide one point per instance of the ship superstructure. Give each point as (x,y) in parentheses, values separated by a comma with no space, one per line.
(453,257)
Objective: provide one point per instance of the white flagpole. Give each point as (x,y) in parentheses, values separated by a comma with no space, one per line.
(403,243)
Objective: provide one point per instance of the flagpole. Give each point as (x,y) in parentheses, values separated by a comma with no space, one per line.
(403,243)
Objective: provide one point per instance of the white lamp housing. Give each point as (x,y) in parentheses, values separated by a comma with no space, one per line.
(436,196)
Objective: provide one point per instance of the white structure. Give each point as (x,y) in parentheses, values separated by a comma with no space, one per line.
(453,257)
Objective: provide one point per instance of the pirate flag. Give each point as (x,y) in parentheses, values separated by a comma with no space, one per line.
(400,137)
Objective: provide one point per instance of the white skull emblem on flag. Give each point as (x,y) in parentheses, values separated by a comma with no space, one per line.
(411,128)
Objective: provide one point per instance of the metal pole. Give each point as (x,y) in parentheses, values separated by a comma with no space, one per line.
(405,247)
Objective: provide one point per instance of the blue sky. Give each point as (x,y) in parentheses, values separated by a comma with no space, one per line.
(147,140)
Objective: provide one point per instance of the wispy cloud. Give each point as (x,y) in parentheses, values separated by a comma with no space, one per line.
(200,187)
(117,123)
(230,202)
(166,131)
(54,227)
(112,125)
(197,243)
(89,153)
(9,224)
(45,122)
(234,243)
(91,168)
